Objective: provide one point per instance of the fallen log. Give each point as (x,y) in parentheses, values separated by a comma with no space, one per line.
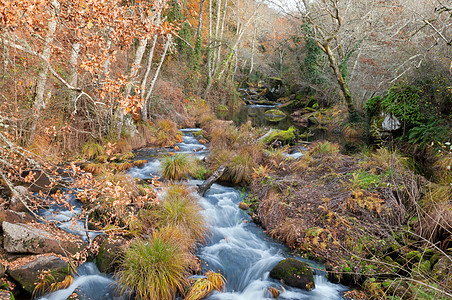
(202,188)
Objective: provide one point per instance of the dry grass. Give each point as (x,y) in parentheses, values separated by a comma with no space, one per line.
(178,207)
(323,148)
(435,223)
(95,168)
(287,232)
(164,134)
(241,167)
(203,287)
(176,167)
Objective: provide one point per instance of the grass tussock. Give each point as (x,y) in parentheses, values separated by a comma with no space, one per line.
(165,133)
(443,167)
(200,111)
(203,287)
(155,268)
(388,160)
(241,167)
(91,150)
(176,167)
(178,207)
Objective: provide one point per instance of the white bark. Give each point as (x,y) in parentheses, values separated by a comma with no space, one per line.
(39,103)
(151,88)
(74,70)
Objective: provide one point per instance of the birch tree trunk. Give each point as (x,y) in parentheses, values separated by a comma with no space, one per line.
(221,35)
(74,70)
(38,102)
(133,72)
(154,79)
(144,108)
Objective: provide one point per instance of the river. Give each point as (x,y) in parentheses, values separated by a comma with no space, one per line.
(238,249)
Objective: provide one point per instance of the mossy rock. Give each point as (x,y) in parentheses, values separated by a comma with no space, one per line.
(284,136)
(274,115)
(107,259)
(295,273)
(414,256)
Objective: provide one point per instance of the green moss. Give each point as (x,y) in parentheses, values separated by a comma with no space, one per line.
(284,136)
(414,256)
(274,115)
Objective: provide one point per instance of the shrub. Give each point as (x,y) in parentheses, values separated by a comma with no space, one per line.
(155,268)
(176,167)
(424,134)
(178,207)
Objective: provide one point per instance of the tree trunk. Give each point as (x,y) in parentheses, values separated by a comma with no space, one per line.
(346,94)
(38,102)
(133,72)
(74,70)
(144,108)
(202,189)
(151,88)
(209,53)
(198,32)
(136,65)
(221,34)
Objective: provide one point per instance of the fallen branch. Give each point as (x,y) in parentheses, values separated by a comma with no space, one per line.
(202,189)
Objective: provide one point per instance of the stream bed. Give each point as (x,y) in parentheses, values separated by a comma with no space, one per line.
(237,248)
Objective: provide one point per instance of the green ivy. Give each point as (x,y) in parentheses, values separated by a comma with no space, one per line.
(402,101)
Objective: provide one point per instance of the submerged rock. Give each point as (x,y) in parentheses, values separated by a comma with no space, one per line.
(39,239)
(274,115)
(295,273)
(27,270)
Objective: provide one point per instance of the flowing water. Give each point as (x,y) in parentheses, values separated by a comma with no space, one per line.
(238,249)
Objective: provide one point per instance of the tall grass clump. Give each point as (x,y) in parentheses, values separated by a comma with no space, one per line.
(178,207)
(165,133)
(91,150)
(176,167)
(155,268)
(241,167)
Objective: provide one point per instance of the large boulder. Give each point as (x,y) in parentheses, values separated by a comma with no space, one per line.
(295,273)
(26,270)
(39,239)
